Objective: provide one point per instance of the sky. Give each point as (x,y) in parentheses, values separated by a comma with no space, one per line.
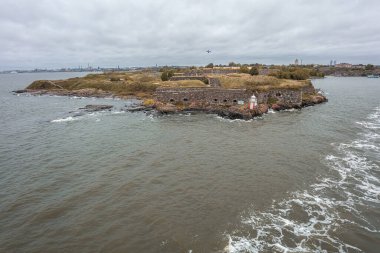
(111,33)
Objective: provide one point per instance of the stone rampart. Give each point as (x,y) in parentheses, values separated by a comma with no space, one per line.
(228,96)
(287,97)
(202,95)
(181,78)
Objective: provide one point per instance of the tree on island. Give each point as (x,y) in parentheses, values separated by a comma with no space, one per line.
(254,71)
(166,74)
(210,65)
(244,69)
(369,67)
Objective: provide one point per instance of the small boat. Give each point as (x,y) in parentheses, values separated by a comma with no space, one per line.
(373,76)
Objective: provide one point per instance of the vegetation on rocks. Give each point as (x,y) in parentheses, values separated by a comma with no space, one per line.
(254,71)
(166,74)
(143,84)
(259,82)
(139,84)
(296,73)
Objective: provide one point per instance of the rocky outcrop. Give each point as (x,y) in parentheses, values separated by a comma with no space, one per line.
(89,92)
(19,91)
(95,108)
(231,112)
(239,111)
(313,99)
(166,108)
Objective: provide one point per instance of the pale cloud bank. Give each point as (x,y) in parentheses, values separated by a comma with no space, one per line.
(68,33)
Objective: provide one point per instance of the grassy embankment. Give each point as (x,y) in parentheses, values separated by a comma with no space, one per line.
(123,84)
(143,84)
(260,82)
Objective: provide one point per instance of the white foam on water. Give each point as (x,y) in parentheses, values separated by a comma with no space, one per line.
(369,125)
(291,110)
(67,119)
(373,120)
(117,112)
(149,117)
(220,118)
(353,180)
(97,115)
(271,111)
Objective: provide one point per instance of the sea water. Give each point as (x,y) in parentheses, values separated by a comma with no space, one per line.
(115,181)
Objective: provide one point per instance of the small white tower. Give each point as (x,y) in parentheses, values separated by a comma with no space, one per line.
(252,102)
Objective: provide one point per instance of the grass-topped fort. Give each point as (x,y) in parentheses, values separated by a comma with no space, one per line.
(226,90)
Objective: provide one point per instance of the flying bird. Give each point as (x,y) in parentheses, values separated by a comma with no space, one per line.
(208,51)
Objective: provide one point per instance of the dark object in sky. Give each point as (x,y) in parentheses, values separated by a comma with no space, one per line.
(208,51)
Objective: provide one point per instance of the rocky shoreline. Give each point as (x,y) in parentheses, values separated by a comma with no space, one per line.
(230,112)
(70,93)
(235,112)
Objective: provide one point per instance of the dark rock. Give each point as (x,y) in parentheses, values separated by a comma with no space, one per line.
(277,107)
(95,108)
(137,109)
(166,108)
(20,91)
(263,108)
(313,100)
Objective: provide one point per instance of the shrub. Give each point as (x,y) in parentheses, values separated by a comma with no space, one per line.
(299,74)
(210,65)
(272,100)
(114,79)
(244,69)
(164,76)
(149,102)
(295,74)
(41,84)
(141,87)
(254,71)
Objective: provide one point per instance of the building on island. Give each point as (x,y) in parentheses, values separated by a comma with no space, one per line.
(343,65)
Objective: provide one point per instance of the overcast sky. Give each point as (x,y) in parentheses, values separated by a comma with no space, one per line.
(69,33)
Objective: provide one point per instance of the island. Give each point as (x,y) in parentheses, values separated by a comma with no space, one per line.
(231,92)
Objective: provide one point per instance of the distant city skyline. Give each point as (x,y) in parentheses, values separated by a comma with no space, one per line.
(63,34)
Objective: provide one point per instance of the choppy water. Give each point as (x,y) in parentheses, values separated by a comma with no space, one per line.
(114,181)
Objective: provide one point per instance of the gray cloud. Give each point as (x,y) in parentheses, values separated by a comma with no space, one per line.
(66,33)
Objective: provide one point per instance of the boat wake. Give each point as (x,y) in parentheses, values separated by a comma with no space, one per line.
(315,219)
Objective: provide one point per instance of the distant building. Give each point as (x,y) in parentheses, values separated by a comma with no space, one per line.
(359,66)
(343,65)
(296,62)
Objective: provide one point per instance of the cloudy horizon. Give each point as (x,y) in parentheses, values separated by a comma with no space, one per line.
(55,34)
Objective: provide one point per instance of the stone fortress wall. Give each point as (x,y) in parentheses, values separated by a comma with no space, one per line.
(214,94)
(211,81)
(202,95)
(221,96)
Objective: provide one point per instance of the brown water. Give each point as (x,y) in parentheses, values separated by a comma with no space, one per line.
(295,181)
